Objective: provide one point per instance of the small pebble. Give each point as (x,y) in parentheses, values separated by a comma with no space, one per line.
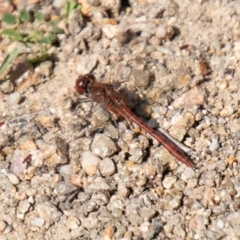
(188,173)
(3,225)
(23,208)
(147,214)
(169,181)
(194,96)
(161,32)
(46,68)
(76,180)
(90,162)
(103,146)
(38,222)
(107,167)
(73,222)
(18,165)
(7,87)
(227,111)
(223,84)
(65,188)
(214,145)
(220,224)
(47,212)
(91,222)
(13,179)
(110,31)
(85,64)
(65,170)
(108,232)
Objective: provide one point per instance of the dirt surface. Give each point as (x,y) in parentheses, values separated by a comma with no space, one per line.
(177,64)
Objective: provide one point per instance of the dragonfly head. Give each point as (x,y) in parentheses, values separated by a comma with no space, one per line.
(83,83)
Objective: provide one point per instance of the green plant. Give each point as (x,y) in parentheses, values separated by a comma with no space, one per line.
(9,59)
(69,6)
(33,34)
(30,36)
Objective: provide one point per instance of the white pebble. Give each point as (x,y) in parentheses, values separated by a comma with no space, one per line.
(85,64)
(73,222)
(144,227)
(18,166)
(220,224)
(169,181)
(161,32)
(90,162)
(65,170)
(38,222)
(13,179)
(187,174)
(13,99)
(103,146)
(107,167)
(227,111)
(214,145)
(110,31)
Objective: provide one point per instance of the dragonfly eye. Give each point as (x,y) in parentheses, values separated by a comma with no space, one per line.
(80,86)
(90,78)
(83,82)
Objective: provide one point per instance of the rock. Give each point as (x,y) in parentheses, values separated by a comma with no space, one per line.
(38,222)
(169,181)
(73,222)
(90,162)
(103,146)
(107,167)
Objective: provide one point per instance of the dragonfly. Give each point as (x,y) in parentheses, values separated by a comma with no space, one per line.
(112,100)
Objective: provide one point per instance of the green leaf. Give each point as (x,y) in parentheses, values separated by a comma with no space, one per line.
(38,16)
(47,39)
(13,34)
(57,30)
(24,15)
(41,57)
(78,7)
(69,6)
(37,59)
(9,58)
(9,18)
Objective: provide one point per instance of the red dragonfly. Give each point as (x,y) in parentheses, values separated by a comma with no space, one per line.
(109,98)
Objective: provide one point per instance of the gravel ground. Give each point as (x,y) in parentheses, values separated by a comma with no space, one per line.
(89,177)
